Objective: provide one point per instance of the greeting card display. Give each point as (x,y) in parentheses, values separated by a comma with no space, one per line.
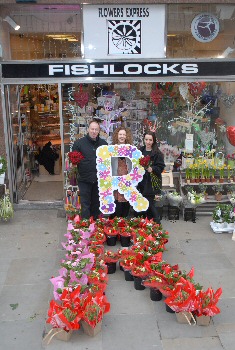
(125,184)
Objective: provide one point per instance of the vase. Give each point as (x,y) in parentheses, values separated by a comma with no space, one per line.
(155,294)
(203,320)
(190,214)
(111,240)
(128,276)
(169,309)
(91,331)
(184,317)
(138,283)
(221,180)
(197,180)
(125,241)
(63,335)
(208,179)
(192,180)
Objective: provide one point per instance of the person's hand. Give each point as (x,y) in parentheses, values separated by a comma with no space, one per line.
(149,169)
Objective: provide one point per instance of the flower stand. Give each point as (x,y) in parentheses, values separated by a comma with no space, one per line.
(63,335)
(111,240)
(128,276)
(111,267)
(125,241)
(184,317)
(138,283)
(173,213)
(91,331)
(155,294)
(203,320)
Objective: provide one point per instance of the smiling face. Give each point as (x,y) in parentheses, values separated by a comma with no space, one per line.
(122,136)
(93,130)
(148,141)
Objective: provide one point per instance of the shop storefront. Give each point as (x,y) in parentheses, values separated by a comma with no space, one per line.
(53,101)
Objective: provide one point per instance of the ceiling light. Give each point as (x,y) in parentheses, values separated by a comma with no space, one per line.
(65,37)
(12,23)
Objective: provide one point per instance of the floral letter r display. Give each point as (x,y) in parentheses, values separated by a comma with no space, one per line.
(125,184)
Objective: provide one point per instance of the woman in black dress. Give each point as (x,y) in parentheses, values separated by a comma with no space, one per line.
(152,179)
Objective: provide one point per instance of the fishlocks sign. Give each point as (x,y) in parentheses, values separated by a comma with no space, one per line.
(121,69)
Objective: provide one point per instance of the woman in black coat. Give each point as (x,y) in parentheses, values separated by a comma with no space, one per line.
(152,184)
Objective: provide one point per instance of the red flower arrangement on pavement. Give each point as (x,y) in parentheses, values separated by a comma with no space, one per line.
(83,277)
(75,157)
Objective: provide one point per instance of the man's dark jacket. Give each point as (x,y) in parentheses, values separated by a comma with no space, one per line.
(87,167)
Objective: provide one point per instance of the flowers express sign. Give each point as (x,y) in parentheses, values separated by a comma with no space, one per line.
(205,27)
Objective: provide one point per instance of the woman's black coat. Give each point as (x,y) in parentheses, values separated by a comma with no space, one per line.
(158,165)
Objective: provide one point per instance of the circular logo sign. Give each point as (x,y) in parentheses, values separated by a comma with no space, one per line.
(205,27)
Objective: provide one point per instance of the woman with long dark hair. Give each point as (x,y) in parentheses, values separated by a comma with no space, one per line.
(121,166)
(152,179)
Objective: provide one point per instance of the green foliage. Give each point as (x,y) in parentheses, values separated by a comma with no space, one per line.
(3,165)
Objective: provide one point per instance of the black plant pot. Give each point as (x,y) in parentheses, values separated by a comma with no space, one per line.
(138,283)
(155,294)
(111,267)
(125,241)
(111,240)
(121,268)
(128,276)
(173,213)
(168,309)
(190,214)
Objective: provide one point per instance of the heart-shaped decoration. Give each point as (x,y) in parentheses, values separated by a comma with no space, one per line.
(183,89)
(196,88)
(156,96)
(81,97)
(231,134)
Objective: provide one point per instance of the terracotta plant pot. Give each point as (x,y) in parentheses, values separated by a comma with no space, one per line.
(192,180)
(218,197)
(221,180)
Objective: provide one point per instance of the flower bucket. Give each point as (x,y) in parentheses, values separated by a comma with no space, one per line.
(111,268)
(128,276)
(91,331)
(169,309)
(138,283)
(190,214)
(125,241)
(203,320)
(184,317)
(63,335)
(173,213)
(155,294)
(111,240)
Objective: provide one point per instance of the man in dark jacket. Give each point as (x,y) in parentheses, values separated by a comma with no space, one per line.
(87,178)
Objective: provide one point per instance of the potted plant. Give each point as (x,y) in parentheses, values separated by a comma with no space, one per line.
(213,172)
(218,191)
(217,216)
(207,306)
(202,189)
(110,259)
